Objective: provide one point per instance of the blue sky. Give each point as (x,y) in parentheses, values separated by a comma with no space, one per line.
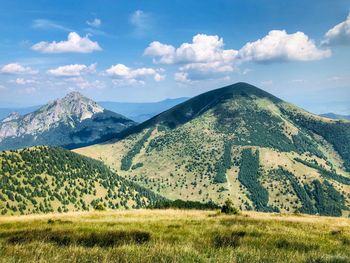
(151,50)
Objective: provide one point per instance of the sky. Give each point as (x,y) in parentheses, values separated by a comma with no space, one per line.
(143,51)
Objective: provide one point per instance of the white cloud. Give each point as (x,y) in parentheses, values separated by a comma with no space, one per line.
(123,72)
(22,81)
(83,83)
(278,45)
(2,87)
(339,34)
(94,23)
(142,22)
(48,24)
(15,68)
(72,70)
(74,43)
(206,57)
(203,57)
(165,53)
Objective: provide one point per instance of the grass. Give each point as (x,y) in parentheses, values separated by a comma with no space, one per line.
(173,236)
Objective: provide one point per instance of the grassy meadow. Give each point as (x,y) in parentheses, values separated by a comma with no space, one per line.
(173,236)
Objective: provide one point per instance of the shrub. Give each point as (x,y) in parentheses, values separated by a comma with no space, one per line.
(99,207)
(229,208)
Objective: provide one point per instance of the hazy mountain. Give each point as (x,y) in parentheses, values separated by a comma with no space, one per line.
(43,179)
(335,116)
(140,112)
(4,112)
(238,142)
(71,121)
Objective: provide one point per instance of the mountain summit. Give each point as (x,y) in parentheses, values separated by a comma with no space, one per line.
(70,121)
(242,143)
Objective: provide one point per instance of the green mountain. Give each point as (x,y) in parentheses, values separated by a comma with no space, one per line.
(242,143)
(68,122)
(43,179)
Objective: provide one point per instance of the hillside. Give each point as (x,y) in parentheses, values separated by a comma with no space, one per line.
(43,179)
(238,142)
(68,122)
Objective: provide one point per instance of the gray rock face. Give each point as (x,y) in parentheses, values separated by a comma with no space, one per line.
(70,110)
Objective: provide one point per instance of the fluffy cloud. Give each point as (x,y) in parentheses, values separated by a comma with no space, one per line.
(72,70)
(203,57)
(15,68)
(122,72)
(278,45)
(94,23)
(339,34)
(22,81)
(206,57)
(164,53)
(74,43)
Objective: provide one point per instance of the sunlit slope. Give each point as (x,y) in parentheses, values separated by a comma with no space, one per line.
(242,143)
(43,179)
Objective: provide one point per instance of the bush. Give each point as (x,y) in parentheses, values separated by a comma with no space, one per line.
(229,208)
(99,207)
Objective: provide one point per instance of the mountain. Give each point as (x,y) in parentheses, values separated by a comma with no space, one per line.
(43,179)
(140,112)
(335,116)
(69,122)
(242,143)
(4,112)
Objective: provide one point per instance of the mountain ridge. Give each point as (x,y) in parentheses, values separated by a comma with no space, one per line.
(74,119)
(242,143)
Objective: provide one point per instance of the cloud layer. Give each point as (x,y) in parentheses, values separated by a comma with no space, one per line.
(73,44)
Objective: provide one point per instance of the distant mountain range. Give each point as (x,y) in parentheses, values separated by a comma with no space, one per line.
(68,122)
(242,143)
(335,116)
(141,112)
(136,111)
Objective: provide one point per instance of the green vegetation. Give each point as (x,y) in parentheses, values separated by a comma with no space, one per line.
(43,179)
(223,164)
(327,174)
(249,177)
(229,208)
(126,162)
(181,204)
(328,200)
(306,202)
(174,236)
(337,133)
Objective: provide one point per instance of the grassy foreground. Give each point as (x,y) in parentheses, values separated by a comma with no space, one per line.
(173,236)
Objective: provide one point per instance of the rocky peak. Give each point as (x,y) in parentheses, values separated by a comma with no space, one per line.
(12,116)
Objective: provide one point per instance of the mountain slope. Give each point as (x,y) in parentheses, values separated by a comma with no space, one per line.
(69,122)
(43,179)
(242,143)
(140,112)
